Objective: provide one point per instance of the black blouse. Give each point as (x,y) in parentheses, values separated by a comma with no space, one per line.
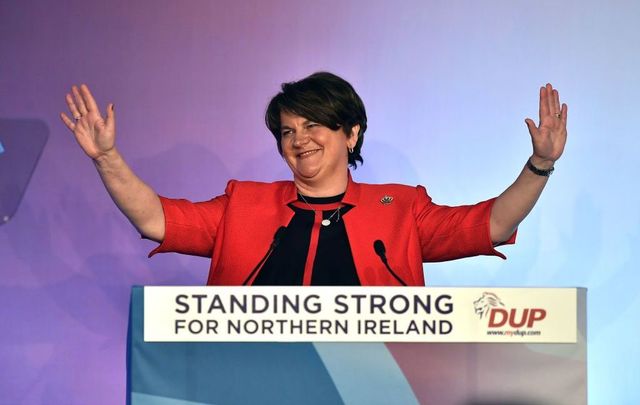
(310,253)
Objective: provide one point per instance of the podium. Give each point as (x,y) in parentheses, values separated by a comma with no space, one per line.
(262,372)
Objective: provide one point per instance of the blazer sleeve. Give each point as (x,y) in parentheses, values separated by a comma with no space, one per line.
(191,228)
(448,233)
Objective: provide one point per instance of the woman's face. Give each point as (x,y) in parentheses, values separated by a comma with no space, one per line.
(316,155)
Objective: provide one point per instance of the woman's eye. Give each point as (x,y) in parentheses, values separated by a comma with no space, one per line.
(287,132)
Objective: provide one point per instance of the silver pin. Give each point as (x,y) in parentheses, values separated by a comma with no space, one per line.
(386,200)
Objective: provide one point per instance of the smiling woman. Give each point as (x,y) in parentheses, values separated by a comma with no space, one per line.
(322,228)
(316,154)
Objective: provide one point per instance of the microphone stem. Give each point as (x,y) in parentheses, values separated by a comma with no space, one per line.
(393,273)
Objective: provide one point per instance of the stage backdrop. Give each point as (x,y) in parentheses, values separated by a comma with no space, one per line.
(447,86)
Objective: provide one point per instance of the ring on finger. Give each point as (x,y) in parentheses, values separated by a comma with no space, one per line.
(77,117)
(558,115)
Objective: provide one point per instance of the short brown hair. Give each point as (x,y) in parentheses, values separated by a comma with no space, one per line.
(323,98)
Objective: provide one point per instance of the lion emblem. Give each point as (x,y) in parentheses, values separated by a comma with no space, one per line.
(483,304)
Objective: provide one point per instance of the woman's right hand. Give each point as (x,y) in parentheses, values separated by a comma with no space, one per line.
(95,135)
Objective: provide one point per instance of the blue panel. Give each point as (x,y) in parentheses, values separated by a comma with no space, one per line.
(382,381)
(226,373)
(146,399)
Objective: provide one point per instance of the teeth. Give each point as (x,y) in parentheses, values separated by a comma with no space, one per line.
(307,153)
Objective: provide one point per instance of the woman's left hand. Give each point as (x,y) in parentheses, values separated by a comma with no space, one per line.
(550,136)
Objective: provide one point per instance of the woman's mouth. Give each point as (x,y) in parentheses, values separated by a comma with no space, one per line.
(307,153)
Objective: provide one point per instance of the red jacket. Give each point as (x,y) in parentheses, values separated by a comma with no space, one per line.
(237,228)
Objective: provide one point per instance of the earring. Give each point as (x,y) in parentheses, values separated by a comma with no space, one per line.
(350,150)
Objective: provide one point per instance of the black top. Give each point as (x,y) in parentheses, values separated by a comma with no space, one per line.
(324,251)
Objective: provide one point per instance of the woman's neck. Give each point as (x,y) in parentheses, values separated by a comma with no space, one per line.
(317,190)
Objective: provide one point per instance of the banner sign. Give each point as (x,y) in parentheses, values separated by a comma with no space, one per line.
(360,314)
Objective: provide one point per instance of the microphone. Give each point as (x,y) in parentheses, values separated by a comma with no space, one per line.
(277,237)
(381,251)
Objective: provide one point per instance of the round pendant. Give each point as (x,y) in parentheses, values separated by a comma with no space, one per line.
(326,222)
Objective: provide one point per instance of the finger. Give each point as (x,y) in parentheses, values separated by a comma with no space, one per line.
(82,108)
(90,102)
(544,106)
(111,116)
(563,114)
(72,107)
(550,102)
(67,121)
(531,126)
(556,102)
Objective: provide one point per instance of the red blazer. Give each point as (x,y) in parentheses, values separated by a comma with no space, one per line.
(236,229)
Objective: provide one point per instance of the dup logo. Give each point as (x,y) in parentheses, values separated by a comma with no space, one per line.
(490,306)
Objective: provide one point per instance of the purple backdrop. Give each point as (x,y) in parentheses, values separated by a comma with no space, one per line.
(446,85)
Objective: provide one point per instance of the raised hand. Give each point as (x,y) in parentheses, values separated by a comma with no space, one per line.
(95,135)
(550,136)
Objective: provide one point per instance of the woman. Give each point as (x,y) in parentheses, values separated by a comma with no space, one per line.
(322,228)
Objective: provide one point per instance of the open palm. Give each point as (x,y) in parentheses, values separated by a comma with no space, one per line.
(550,136)
(95,135)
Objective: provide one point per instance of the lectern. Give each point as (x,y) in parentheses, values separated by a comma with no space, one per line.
(501,366)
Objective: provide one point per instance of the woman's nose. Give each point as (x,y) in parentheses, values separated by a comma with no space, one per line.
(301,138)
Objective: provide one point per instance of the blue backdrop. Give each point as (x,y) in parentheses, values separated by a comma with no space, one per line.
(447,86)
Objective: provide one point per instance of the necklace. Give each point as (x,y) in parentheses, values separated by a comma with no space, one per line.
(325,222)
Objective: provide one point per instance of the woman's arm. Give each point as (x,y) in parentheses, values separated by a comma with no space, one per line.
(548,139)
(96,136)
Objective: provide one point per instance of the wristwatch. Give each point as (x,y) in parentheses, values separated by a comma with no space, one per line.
(539,172)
